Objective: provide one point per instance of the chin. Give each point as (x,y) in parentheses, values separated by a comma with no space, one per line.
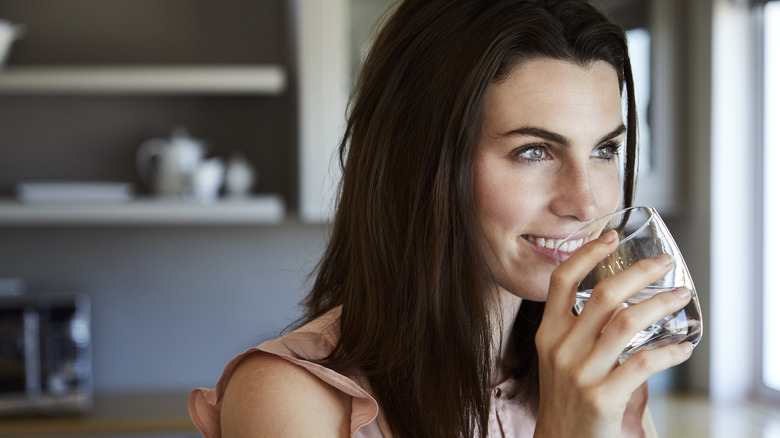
(531,292)
(533,287)
(529,281)
(539,298)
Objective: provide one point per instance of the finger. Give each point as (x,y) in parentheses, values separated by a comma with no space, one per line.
(628,322)
(610,293)
(629,376)
(565,278)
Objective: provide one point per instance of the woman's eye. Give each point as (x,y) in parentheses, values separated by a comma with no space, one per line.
(533,153)
(606,152)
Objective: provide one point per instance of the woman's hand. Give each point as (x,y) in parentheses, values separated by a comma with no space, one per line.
(584,393)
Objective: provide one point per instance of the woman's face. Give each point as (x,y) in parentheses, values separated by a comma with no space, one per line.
(546,163)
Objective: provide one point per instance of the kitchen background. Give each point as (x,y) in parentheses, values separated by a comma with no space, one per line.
(177,289)
(170,302)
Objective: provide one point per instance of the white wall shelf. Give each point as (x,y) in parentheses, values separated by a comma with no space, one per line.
(185,79)
(258,210)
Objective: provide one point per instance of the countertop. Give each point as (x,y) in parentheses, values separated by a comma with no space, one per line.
(143,414)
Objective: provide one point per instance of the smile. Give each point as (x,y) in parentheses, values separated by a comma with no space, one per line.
(549,243)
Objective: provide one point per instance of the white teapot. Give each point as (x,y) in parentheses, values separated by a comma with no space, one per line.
(168,166)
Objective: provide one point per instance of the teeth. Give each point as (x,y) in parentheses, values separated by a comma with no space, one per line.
(569,246)
(572,245)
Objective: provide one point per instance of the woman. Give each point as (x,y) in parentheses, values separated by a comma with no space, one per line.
(480,133)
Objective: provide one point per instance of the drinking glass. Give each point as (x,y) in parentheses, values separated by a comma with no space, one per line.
(642,235)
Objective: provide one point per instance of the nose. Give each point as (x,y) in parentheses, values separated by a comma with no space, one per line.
(573,195)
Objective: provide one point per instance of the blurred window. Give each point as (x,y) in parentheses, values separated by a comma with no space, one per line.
(771,242)
(639,49)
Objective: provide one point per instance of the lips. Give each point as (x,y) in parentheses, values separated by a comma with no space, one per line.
(551,243)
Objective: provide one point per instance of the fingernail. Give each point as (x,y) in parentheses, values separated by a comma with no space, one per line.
(609,236)
(686,347)
(664,259)
(683,292)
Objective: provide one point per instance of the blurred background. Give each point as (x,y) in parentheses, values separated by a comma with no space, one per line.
(172,161)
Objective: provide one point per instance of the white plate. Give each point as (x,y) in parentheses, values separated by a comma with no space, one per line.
(33,192)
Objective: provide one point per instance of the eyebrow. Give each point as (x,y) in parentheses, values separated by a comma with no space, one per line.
(558,138)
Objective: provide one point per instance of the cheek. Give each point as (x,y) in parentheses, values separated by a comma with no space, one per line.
(494,206)
(496,212)
(611,194)
(488,198)
(500,201)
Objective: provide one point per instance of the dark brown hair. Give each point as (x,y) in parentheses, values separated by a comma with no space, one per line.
(404,258)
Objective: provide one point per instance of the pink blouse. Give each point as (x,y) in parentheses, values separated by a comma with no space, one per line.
(316,340)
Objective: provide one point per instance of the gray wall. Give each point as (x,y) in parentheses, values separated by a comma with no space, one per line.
(170,306)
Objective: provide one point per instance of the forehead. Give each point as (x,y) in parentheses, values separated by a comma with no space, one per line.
(545,91)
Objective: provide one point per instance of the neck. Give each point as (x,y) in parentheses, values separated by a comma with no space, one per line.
(509,305)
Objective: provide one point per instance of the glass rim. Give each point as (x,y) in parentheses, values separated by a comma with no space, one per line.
(651,210)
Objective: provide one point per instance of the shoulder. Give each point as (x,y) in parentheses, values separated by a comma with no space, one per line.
(270,396)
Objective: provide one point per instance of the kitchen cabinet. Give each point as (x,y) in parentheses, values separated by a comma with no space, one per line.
(144,81)
(91,80)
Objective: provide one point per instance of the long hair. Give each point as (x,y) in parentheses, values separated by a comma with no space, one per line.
(404,260)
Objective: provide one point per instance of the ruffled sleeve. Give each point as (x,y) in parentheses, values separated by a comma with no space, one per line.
(311,342)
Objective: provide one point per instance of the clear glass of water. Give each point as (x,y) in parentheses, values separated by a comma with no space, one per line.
(642,235)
